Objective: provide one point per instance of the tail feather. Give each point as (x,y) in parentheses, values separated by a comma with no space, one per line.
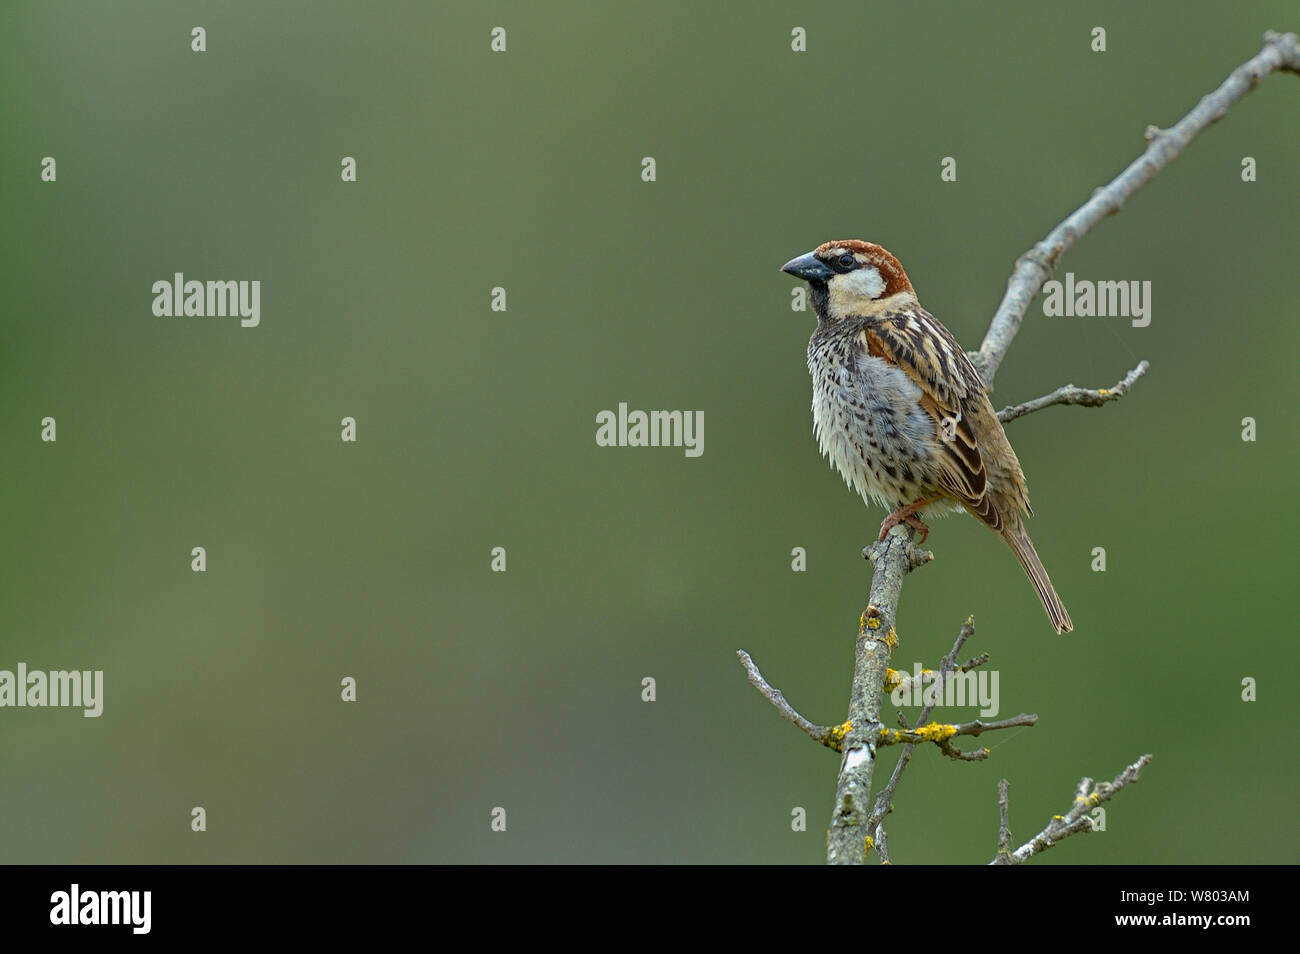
(1018,540)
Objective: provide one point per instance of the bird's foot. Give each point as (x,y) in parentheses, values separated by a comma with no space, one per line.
(908,516)
(903,515)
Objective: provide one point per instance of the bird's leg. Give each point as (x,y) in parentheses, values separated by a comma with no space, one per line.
(908,516)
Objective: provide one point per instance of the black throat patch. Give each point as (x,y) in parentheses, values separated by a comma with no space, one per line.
(820,294)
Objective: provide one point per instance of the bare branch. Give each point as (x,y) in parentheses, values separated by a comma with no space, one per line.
(1076,820)
(1069,394)
(829,736)
(894,557)
(1004,808)
(1280,52)
(939,733)
(882,844)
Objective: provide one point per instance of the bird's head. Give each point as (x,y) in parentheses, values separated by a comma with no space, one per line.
(849,278)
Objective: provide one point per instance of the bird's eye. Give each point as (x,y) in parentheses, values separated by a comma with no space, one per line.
(847,260)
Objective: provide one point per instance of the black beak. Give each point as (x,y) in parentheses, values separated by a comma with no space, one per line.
(808,267)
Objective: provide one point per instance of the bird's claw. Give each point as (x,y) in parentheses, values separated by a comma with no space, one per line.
(904,515)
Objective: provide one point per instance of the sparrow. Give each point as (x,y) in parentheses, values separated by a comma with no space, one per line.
(900,410)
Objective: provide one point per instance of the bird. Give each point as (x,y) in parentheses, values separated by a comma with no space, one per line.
(900,410)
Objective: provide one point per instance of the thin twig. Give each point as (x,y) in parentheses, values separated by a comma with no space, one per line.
(1004,809)
(1069,394)
(1280,52)
(829,736)
(882,844)
(939,733)
(1076,820)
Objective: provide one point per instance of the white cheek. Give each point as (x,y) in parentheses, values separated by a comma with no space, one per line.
(862,282)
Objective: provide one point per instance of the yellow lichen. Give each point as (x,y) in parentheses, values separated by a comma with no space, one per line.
(935,731)
(834,738)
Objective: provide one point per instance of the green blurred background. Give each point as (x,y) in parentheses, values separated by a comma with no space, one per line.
(476,429)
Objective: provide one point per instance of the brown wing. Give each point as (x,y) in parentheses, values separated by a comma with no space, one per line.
(952,392)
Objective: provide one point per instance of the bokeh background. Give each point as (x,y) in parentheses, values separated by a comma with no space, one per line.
(476,429)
